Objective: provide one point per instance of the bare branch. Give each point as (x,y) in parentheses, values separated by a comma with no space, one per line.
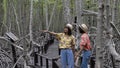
(17,22)
(113,25)
(90,12)
(52,15)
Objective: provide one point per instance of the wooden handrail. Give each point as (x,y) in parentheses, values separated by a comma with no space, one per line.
(55,58)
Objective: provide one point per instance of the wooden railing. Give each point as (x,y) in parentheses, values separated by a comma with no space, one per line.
(47,59)
(41,59)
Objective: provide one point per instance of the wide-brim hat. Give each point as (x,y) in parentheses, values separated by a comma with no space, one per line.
(84,27)
(69,26)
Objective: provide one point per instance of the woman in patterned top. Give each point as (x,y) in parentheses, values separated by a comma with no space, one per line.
(85,47)
(66,45)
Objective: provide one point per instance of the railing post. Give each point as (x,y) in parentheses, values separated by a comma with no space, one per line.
(47,59)
(92,62)
(41,61)
(54,65)
(42,48)
(35,59)
(14,55)
(112,61)
(36,50)
(47,65)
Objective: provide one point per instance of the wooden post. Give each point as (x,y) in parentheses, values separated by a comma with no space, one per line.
(41,61)
(54,65)
(14,55)
(112,61)
(13,39)
(47,64)
(92,62)
(35,58)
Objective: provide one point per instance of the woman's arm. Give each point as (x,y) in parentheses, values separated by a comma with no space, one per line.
(53,33)
(73,45)
(57,35)
(79,52)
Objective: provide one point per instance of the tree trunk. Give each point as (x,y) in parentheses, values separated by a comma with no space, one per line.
(66,11)
(79,11)
(114,11)
(5,13)
(99,38)
(52,14)
(107,13)
(46,13)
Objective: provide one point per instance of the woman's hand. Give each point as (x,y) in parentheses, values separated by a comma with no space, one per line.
(76,55)
(45,31)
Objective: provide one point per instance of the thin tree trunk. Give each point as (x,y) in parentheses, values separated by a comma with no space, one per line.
(51,17)
(107,13)
(16,15)
(114,12)
(99,38)
(79,12)
(5,13)
(66,11)
(30,33)
(31,20)
(46,11)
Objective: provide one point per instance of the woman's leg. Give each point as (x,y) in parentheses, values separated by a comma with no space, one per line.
(70,58)
(85,59)
(63,58)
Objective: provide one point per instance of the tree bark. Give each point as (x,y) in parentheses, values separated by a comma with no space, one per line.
(79,11)
(46,13)
(99,38)
(66,11)
(51,17)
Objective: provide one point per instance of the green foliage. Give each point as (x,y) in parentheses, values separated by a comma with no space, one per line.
(89,5)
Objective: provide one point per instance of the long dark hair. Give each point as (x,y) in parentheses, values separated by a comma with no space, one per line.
(69,31)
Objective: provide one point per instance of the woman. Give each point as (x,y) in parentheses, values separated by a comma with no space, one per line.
(66,44)
(85,47)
